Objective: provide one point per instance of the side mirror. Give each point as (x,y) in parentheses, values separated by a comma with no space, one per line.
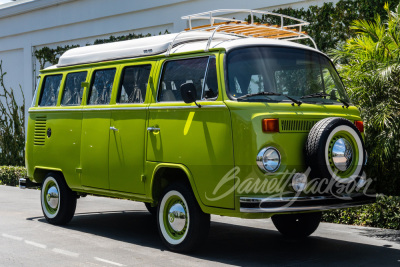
(189,94)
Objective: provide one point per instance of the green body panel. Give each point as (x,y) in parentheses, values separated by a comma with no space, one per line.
(205,143)
(249,139)
(126,150)
(199,138)
(94,149)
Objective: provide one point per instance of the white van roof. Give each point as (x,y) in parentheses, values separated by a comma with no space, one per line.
(158,45)
(147,46)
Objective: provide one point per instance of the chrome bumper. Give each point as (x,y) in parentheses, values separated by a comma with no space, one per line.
(26,183)
(297,204)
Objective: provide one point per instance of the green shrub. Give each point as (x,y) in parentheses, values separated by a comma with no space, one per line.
(12,125)
(385,213)
(10,175)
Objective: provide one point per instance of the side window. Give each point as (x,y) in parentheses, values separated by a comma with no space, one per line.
(199,71)
(100,89)
(133,84)
(211,84)
(50,89)
(73,90)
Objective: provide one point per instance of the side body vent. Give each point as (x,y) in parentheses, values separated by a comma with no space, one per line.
(40,131)
(296,126)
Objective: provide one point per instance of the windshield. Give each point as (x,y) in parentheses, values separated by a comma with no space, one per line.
(299,74)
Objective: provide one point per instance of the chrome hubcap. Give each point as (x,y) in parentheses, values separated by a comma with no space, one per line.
(177,217)
(52,197)
(342,154)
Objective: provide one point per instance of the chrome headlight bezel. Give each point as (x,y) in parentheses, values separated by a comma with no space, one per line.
(260,159)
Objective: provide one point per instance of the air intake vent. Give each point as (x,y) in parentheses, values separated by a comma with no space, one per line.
(297,126)
(40,131)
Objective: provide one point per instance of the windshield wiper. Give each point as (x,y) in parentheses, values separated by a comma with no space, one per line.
(298,102)
(295,101)
(344,102)
(257,94)
(325,95)
(315,95)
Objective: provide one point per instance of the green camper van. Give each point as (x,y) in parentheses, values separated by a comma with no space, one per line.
(232,118)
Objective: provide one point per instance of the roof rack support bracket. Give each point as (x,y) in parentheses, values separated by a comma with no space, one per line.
(210,39)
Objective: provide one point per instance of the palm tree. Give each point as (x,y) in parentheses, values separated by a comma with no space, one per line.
(370,67)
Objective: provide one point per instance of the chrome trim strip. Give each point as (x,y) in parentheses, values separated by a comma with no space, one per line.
(309,207)
(286,199)
(87,109)
(187,107)
(298,209)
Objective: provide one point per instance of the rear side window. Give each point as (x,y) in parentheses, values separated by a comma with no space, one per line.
(73,90)
(199,71)
(50,89)
(100,90)
(133,84)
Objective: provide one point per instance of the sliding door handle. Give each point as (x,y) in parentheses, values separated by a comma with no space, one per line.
(153,129)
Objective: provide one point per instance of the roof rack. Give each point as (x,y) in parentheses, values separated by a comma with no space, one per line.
(236,27)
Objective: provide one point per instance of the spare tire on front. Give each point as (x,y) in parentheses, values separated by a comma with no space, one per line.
(335,149)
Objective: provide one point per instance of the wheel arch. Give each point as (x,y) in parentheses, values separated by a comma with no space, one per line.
(165,174)
(39,174)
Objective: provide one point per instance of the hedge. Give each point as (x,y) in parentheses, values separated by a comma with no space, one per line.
(10,175)
(385,213)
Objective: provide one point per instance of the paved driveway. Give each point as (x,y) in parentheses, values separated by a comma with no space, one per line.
(111,232)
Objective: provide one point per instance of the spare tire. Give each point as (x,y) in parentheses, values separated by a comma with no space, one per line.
(335,149)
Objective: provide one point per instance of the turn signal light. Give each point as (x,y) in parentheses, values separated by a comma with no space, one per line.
(270,125)
(360,126)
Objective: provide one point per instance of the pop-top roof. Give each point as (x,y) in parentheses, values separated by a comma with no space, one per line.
(132,48)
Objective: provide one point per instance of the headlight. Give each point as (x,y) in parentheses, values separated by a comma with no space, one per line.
(269,159)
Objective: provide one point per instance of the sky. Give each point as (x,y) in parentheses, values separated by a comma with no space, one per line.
(4,1)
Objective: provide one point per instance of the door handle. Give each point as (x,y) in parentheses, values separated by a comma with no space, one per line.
(153,129)
(113,129)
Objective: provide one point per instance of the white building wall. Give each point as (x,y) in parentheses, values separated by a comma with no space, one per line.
(32,24)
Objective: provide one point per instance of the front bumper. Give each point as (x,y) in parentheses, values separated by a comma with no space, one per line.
(306,203)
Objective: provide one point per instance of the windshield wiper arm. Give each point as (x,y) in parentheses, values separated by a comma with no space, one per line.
(295,101)
(344,102)
(256,94)
(315,95)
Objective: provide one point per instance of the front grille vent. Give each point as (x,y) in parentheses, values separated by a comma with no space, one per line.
(297,126)
(40,131)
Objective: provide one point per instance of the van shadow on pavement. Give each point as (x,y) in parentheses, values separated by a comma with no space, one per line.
(235,244)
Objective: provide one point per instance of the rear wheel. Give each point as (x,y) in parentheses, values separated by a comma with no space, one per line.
(182,225)
(57,199)
(298,225)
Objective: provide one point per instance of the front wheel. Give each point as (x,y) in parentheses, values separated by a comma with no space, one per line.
(151,209)
(57,199)
(297,225)
(182,225)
